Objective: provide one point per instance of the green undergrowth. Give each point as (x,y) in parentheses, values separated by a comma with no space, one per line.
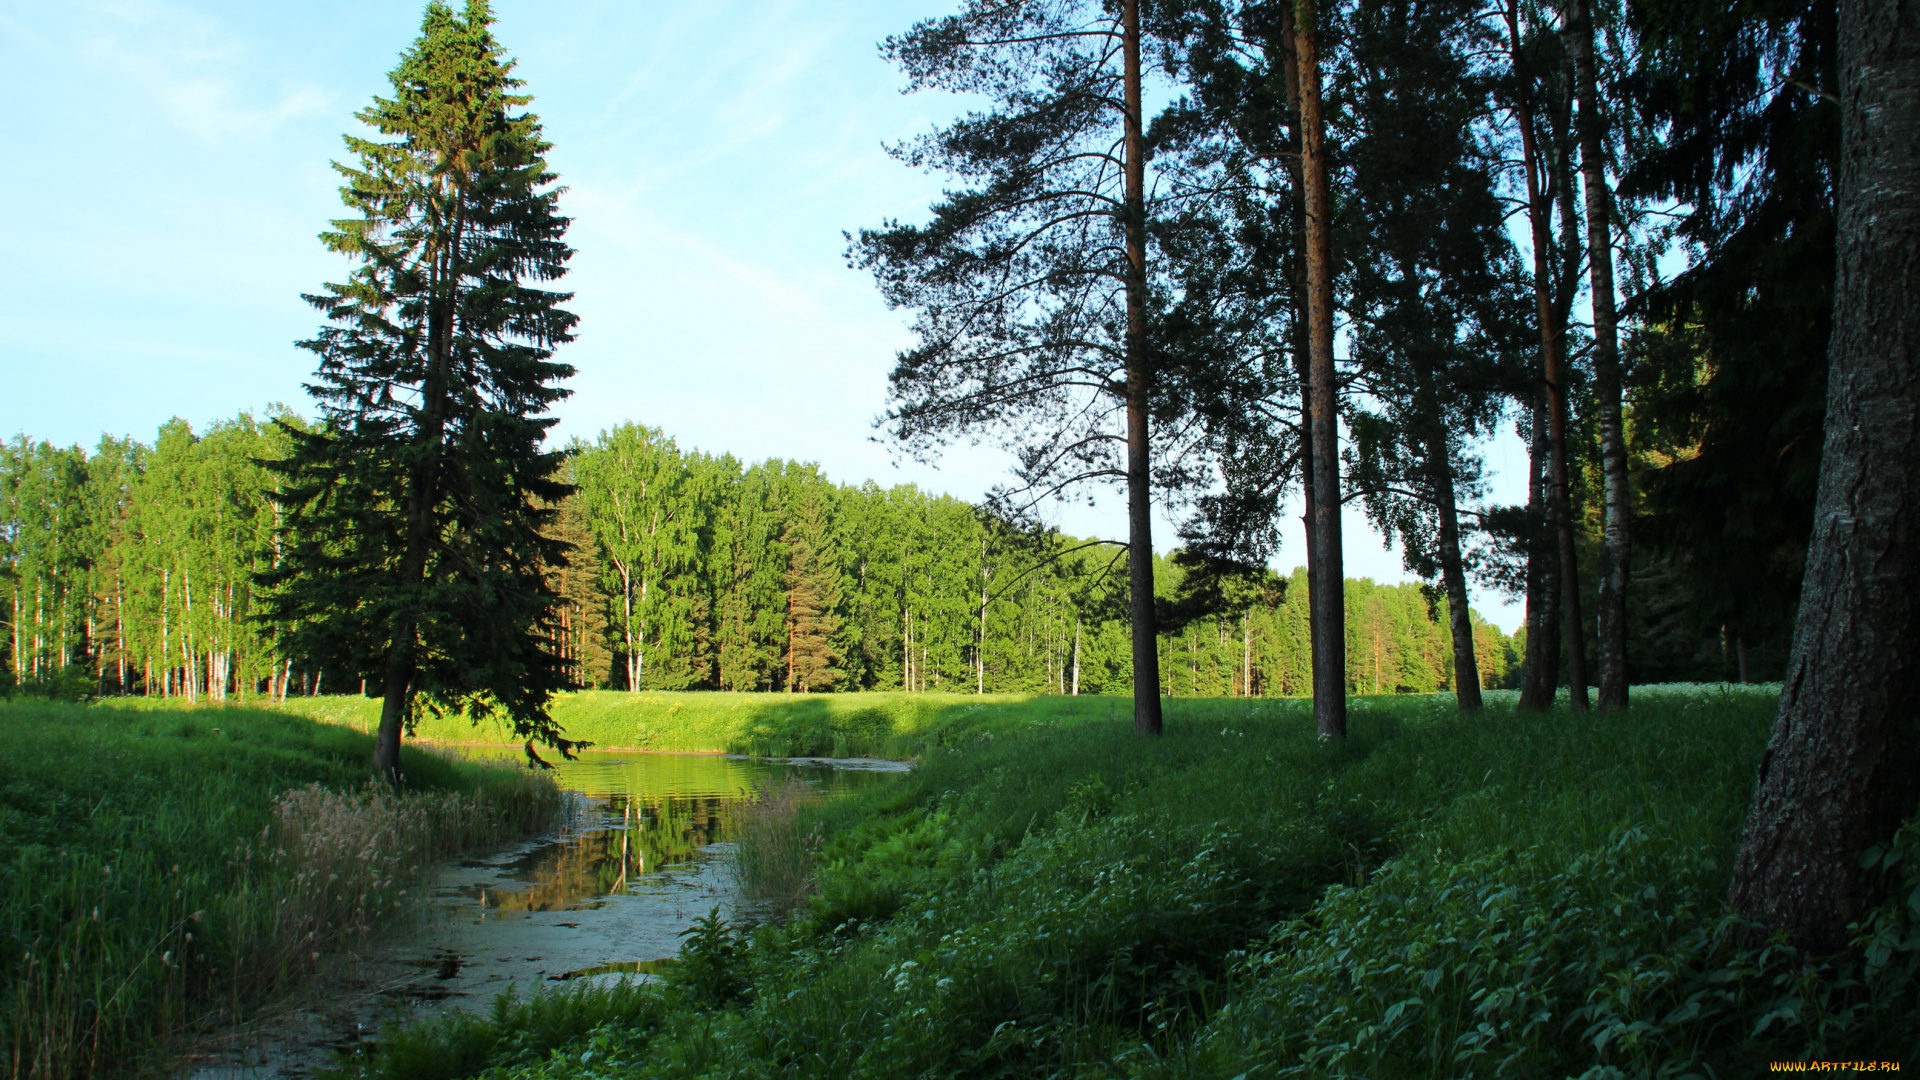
(1440,895)
(879,724)
(162,869)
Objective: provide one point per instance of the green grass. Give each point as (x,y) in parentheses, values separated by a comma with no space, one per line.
(145,884)
(1442,895)
(882,724)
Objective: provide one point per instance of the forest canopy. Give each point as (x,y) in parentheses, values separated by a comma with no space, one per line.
(130,569)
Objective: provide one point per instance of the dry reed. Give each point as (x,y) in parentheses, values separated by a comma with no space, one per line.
(774,856)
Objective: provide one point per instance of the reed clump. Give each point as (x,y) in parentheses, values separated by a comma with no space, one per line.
(161,871)
(775,848)
(340,863)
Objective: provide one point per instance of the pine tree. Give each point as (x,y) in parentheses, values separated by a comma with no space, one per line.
(746,582)
(813,594)
(1541,107)
(1033,285)
(416,514)
(1436,303)
(1842,769)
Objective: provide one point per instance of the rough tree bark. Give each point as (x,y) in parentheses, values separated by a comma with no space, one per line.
(1610,637)
(1842,769)
(1453,575)
(1146,639)
(1540,668)
(1326,576)
(1302,339)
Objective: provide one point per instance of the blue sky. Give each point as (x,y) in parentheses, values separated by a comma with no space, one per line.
(169,171)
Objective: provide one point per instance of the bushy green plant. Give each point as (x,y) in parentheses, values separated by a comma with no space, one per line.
(516,1031)
(70,683)
(710,970)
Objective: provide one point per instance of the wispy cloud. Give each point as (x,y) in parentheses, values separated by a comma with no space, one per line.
(196,72)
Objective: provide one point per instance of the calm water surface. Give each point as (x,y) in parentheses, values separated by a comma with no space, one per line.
(602,898)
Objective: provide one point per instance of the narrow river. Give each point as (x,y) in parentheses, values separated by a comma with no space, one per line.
(604,897)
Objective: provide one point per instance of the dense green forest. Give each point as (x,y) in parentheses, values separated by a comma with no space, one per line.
(129,570)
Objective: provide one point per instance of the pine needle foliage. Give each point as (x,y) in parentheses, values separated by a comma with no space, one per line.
(417,514)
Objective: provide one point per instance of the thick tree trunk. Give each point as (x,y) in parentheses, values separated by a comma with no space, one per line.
(1453,575)
(1327,586)
(1146,645)
(1610,644)
(1539,667)
(1842,770)
(1302,337)
(397,692)
(396,700)
(421,498)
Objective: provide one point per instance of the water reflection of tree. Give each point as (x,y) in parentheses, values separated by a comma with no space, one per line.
(646,834)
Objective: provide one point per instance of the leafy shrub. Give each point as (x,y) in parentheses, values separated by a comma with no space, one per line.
(517,1031)
(70,683)
(710,971)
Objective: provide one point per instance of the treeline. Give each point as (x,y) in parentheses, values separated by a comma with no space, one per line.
(130,570)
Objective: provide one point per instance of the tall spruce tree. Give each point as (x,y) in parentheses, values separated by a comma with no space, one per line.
(1731,390)
(416,513)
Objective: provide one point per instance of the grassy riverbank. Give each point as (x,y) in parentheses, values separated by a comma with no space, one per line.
(1442,896)
(162,867)
(880,724)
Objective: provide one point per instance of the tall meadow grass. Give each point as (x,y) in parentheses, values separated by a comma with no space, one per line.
(774,847)
(161,870)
